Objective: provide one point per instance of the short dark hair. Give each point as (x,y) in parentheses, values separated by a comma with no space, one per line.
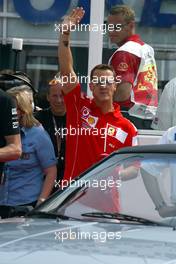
(102,67)
(124,10)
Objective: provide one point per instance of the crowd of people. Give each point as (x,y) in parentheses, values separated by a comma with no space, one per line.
(37,148)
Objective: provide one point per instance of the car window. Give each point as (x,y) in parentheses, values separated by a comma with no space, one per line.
(140,185)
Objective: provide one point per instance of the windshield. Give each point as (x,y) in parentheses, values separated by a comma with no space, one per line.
(140,185)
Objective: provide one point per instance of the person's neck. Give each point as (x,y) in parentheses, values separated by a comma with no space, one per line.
(58,113)
(105,107)
(126,39)
(123,42)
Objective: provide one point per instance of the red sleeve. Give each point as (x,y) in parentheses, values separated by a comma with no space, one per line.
(126,66)
(73,97)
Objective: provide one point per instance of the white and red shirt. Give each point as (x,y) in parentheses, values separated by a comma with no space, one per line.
(92,135)
(134,62)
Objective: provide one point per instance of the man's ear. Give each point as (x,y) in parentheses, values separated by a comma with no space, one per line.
(132,25)
(47,97)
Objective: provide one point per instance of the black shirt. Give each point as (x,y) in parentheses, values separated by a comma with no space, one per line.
(8,120)
(54,125)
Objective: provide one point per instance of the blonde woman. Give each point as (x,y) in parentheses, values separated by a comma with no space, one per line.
(30,179)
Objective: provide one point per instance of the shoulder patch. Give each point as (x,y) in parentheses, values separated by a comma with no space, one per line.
(123,66)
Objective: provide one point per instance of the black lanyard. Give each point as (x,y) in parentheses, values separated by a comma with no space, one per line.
(58,136)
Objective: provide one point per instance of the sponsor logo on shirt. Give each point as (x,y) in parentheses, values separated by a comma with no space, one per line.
(112,145)
(89,121)
(111,131)
(117,133)
(85,112)
(14,111)
(25,156)
(123,66)
(15,124)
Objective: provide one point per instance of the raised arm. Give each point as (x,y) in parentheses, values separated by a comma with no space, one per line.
(68,76)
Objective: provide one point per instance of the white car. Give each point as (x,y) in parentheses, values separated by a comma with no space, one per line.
(122,210)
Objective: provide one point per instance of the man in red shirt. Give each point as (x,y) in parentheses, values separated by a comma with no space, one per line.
(95,127)
(135,66)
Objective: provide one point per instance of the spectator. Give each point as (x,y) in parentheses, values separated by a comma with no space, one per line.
(167,167)
(24,178)
(87,118)
(169,137)
(135,66)
(10,144)
(27,89)
(53,120)
(166,111)
(10,79)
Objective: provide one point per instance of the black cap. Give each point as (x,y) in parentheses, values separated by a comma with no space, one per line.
(8,81)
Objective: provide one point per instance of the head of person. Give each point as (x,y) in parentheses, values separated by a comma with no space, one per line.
(102,83)
(9,79)
(55,97)
(121,23)
(25,79)
(27,89)
(24,107)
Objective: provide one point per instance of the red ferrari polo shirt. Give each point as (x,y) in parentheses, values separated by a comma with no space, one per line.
(92,135)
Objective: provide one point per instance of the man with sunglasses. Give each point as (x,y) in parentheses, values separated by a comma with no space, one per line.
(135,66)
(95,127)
